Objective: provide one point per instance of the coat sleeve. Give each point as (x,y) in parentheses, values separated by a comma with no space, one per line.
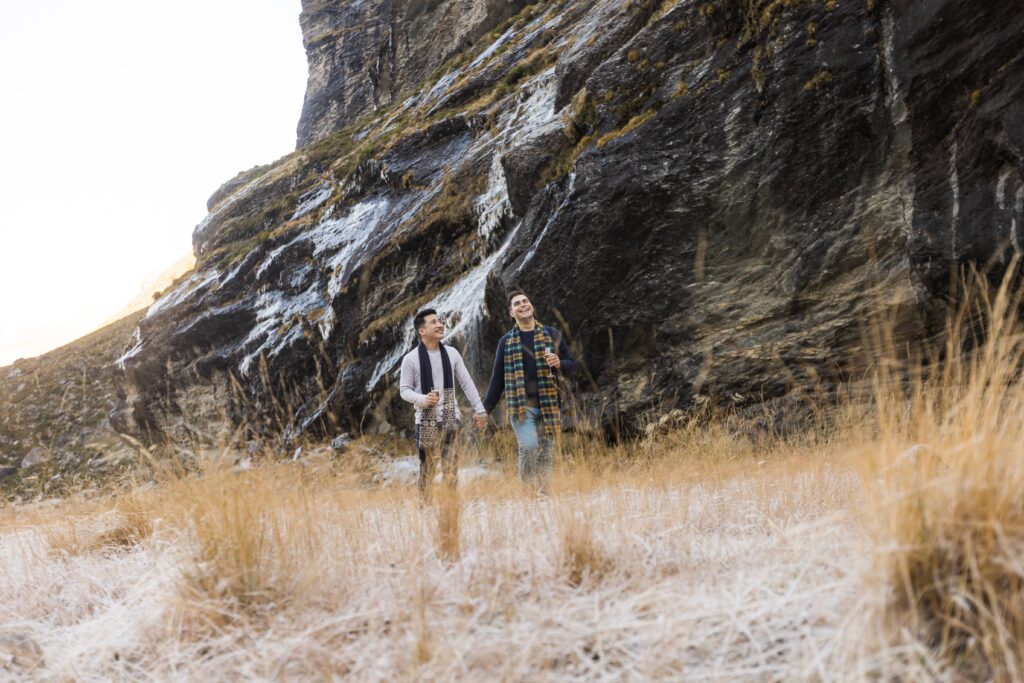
(497,383)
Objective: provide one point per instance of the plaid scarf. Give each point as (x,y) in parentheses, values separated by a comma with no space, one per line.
(515,378)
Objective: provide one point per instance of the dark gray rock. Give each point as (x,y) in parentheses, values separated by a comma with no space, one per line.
(524,167)
(709,198)
(367,55)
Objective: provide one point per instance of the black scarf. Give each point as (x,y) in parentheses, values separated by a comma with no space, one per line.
(427,374)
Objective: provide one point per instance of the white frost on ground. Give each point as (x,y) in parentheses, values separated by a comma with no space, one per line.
(404,470)
(752,580)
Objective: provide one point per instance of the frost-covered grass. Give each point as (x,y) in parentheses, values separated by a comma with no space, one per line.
(696,562)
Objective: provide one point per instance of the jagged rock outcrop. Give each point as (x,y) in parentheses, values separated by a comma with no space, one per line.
(710,197)
(366,55)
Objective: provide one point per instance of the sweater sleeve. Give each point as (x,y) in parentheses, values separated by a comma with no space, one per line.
(497,384)
(467,384)
(409,383)
(568,362)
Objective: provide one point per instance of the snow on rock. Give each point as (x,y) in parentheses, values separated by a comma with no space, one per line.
(133,349)
(486,54)
(535,114)
(312,200)
(493,205)
(195,283)
(566,200)
(277,322)
(342,238)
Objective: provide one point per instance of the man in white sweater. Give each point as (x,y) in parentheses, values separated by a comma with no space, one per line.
(428,382)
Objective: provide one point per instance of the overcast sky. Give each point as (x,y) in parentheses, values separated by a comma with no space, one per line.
(118,119)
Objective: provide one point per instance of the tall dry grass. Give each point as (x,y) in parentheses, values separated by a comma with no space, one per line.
(698,552)
(278,573)
(254,541)
(947,474)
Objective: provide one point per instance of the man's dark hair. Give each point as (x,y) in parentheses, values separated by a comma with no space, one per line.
(513,294)
(421,318)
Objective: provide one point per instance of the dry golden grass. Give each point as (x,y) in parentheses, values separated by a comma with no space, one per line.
(582,557)
(948,470)
(448,527)
(887,543)
(277,572)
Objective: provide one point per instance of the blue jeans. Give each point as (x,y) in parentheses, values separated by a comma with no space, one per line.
(534,450)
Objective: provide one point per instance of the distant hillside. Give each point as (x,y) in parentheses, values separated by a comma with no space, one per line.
(54,431)
(154,286)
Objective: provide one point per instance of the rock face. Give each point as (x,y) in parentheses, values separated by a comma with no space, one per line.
(365,55)
(708,197)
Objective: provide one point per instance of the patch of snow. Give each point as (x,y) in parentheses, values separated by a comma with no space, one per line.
(1018,212)
(242,263)
(702,70)
(440,87)
(274,253)
(132,351)
(312,200)
(343,237)
(954,186)
(535,114)
(493,205)
(275,309)
(223,206)
(733,140)
(390,362)
(486,54)
(188,287)
(1004,175)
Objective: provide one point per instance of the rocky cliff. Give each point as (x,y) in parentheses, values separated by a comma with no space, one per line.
(366,55)
(710,197)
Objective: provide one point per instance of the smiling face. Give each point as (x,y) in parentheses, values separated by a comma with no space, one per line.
(521,309)
(432,329)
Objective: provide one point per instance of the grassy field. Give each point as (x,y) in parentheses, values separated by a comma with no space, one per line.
(696,565)
(888,546)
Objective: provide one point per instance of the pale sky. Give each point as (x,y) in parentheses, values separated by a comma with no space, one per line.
(118,118)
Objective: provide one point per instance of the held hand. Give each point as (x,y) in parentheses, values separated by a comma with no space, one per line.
(553,360)
(480,421)
(432,398)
